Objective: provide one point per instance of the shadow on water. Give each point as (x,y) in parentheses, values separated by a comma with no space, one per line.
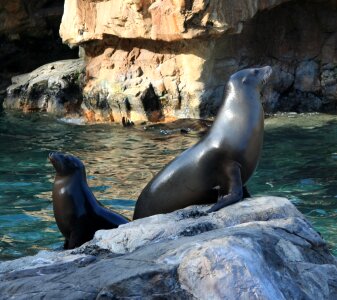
(299,162)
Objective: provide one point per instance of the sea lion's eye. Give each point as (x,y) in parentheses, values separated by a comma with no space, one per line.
(256,72)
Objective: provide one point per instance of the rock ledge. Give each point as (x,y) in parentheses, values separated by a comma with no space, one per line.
(260,248)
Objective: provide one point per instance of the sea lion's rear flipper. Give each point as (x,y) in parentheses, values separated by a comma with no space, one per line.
(235,194)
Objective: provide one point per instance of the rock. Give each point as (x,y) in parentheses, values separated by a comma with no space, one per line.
(283,76)
(34,18)
(55,88)
(270,100)
(157,20)
(29,37)
(307,74)
(298,102)
(260,248)
(329,82)
(163,60)
(181,53)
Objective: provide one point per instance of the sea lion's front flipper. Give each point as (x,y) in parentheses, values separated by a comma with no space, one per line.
(246,193)
(80,233)
(235,190)
(66,244)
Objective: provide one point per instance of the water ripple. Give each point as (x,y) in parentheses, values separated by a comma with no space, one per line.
(120,161)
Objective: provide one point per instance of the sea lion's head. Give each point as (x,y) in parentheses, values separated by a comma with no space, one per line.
(253,77)
(66,164)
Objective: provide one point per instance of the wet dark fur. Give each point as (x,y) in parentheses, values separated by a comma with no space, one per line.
(77,212)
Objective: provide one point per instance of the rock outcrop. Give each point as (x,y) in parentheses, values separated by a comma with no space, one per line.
(55,88)
(260,248)
(159,60)
(29,37)
(154,60)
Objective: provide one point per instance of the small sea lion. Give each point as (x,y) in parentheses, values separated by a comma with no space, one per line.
(77,213)
(216,169)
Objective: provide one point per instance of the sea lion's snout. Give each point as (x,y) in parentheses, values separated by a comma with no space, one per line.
(266,73)
(51,157)
(56,160)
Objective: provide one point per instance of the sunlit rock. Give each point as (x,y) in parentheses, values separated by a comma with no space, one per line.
(161,60)
(54,88)
(259,248)
(171,59)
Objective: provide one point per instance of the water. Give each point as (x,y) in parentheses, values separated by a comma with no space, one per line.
(299,162)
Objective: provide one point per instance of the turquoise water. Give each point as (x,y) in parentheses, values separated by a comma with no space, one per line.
(299,162)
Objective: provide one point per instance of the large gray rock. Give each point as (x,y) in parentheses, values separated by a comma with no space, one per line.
(55,88)
(260,248)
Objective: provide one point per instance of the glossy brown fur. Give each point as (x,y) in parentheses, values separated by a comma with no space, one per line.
(77,212)
(218,166)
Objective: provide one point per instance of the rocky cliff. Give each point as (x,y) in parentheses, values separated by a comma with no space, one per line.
(149,60)
(157,60)
(260,248)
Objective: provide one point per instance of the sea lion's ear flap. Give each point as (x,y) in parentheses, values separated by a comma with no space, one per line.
(244,80)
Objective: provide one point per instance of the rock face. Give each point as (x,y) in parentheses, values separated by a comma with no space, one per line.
(154,60)
(54,88)
(29,37)
(158,60)
(260,248)
(167,20)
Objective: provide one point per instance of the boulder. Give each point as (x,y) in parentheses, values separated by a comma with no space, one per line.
(29,37)
(260,248)
(55,88)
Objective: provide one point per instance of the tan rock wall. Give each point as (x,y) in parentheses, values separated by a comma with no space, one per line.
(167,20)
(155,80)
(160,60)
(153,60)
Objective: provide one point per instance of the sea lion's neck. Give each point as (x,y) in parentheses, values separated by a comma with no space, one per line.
(242,104)
(241,95)
(64,180)
(78,174)
(239,101)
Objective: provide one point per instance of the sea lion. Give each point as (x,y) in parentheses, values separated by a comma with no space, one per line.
(218,166)
(77,213)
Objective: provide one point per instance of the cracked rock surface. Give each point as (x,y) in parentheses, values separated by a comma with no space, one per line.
(260,248)
(54,88)
(162,59)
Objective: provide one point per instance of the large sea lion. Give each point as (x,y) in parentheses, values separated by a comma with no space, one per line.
(216,169)
(77,213)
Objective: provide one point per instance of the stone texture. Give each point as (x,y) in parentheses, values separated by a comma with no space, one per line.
(55,88)
(260,248)
(29,37)
(29,17)
(161,60)
(164,60)
(307,77)
(167,20)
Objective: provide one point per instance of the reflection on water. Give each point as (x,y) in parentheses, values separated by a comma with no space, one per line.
(299,162)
